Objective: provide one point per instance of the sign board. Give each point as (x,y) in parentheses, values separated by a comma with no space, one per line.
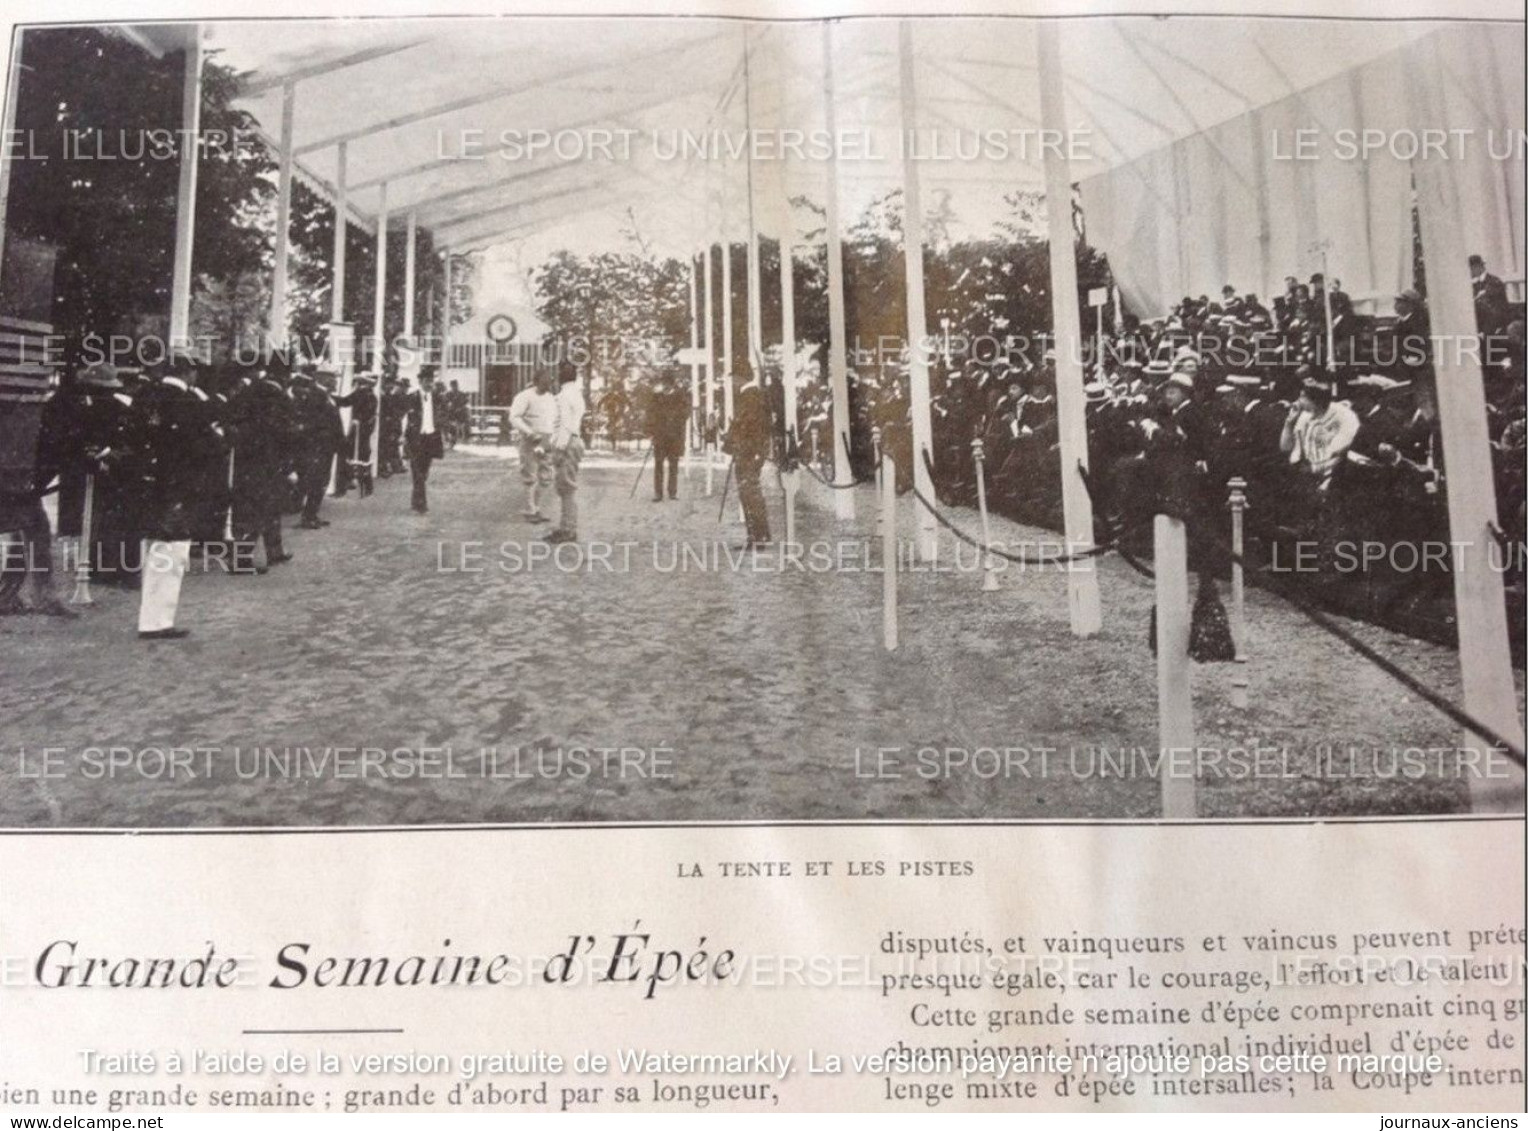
(690,355)
(1098,296)
(342,350)
(501,328)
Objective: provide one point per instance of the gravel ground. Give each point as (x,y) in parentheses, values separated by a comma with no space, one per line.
(640,686)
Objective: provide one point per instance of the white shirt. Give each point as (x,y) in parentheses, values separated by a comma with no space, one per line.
(570,414)
(533,413)
(1320,441)
(426,412)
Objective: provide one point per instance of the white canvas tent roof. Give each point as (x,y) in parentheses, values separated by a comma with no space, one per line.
(403,94)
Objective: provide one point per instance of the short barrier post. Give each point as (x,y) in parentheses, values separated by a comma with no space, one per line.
(887,479)
(989,562)
(1238,504)
(1175,703)
(81,595)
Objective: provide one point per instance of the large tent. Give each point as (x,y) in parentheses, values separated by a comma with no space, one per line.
(421,106)
(426,123)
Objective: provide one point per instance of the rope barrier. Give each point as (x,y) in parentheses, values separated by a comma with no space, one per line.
(849,486)
(853,482)
(1024,560)
(1303,605)
(1307,608)
(1279,588)
(1118,541)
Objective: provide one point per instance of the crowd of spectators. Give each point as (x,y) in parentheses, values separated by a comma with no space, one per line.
(1328,414)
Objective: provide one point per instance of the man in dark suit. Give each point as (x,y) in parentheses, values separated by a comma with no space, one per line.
(173,443)
(1409,348)
(1492,310)
(394,405)
(355,459)
(424,415)
(459,415)
(264,432)
(1178,446)
(749,441)
(83,441)
(212,509)
(668,416)
(323,436)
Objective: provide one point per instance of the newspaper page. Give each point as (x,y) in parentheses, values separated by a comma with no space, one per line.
(762,558)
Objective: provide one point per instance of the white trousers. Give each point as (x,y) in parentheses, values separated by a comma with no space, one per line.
(164,567)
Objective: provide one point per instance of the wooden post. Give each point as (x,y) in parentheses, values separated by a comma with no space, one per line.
(917,316)
(379,297)
(1484,657)
(341,351)
(694,434)
(875,444)
(338,362)
(410,236)
(888,493)
(12,93)
(446,313)
(790,484)
(278,318)
(379,330)
(1326,302)
(838,346)
(83,546)
(755,349)
(1071,402)
(341,230)
(710,364)
(1238,503)
(185,191)
(783,223)
(727,355)
(341,362)
(1175,702)
(989,564)
(1099,368)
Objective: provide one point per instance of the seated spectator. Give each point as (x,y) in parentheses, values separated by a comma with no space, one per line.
(1318,431)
